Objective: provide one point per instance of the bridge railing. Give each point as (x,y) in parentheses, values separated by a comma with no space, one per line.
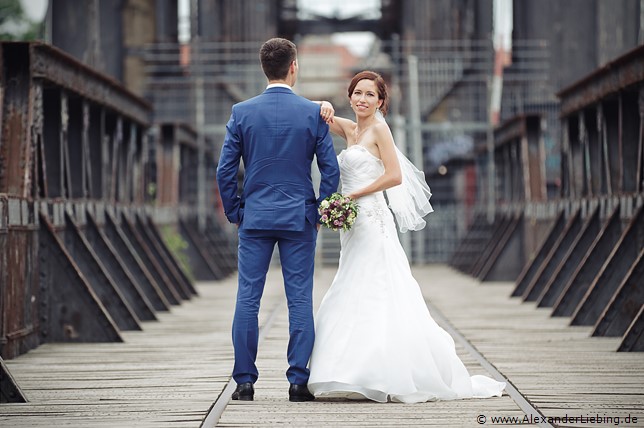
(92,222)
(580,253)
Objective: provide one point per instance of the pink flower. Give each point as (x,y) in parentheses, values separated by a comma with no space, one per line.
(338,212)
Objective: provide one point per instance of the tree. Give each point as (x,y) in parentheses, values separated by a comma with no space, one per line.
(15,24)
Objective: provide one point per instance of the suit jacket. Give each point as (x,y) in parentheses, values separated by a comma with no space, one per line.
(276,134)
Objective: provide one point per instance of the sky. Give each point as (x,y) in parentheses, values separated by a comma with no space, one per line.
(339,8)
(35,9)
(359,42)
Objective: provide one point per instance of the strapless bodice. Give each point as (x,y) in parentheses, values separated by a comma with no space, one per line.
(359,168)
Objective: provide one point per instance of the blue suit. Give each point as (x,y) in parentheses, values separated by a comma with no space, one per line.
(277,135)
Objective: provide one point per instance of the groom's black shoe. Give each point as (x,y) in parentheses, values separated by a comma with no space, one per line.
(299,393)
(244,392)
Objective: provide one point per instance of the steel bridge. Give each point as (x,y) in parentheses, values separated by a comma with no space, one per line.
(109,142)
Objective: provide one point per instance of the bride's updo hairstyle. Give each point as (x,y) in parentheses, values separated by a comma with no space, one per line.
(380,84)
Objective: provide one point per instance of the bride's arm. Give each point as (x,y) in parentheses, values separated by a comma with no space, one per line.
(341,127)
(337,125)
(392,175)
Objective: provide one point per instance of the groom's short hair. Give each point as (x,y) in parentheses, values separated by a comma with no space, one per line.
(276,56)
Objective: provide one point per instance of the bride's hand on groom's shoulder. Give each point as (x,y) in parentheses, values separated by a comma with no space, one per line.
(327,111)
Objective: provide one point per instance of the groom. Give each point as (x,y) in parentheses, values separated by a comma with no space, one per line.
(276,134)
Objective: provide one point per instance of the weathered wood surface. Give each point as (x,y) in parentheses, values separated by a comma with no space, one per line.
(170,374)
(271,405)
(166,376)
(559,368)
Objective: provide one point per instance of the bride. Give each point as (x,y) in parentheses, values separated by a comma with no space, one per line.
(374,337)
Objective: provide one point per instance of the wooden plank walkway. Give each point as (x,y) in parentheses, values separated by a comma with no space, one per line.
(170,374)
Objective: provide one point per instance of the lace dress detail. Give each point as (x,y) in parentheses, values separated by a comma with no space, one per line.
(375,214)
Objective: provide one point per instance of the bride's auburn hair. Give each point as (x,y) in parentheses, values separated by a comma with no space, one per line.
(380,84)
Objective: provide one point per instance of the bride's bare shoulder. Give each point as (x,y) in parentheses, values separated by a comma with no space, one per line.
(382,130)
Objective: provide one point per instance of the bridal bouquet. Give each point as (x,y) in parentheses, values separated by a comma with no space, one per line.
(338,212)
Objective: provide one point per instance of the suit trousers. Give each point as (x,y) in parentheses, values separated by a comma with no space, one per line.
(297,257)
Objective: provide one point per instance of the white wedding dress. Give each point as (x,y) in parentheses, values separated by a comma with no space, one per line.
(375,337)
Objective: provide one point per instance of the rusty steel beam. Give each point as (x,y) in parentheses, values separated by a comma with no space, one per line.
(10,392)
(479,232)
(118,270)
(462,256)
(512,129)
(614,76)
(185,135)
(45,149)
(94,135)
(602,146)
(501,223)
(155,235)
(19,291)
(116,141)
(216,248)
(625,303)
(201,265)
(166,156)
(148,257)
(633,340)
(38,178)
(531,268)
(70,134)
(219,247)
(2,90)
(55,66)
(203,247)
(519,157)
(4,272)
(188,175)
(634,153)
(225,249)
(15,150)
(52,132)
(57,110)
(550,264)
(571,260)
(612,273)
(71,310)
(496,250)
(158,253)
(508,257)
(128,169)
(134,264)
(98,277)
(4,269)
(589,267)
